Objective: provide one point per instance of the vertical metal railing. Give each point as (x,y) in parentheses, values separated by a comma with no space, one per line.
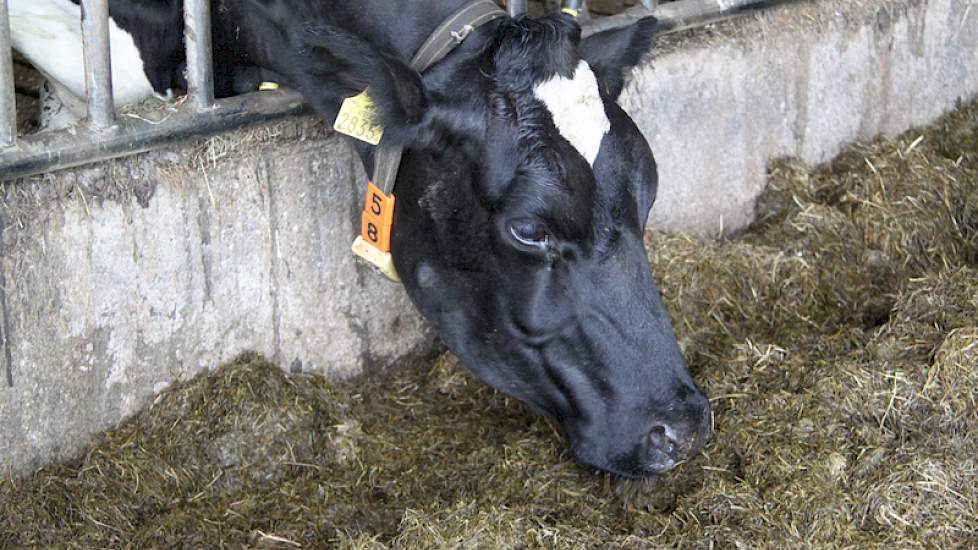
(197,40)
(517,7)
(114,138)
(98,62)
(8,106)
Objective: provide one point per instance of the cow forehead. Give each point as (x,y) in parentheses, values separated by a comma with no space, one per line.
(577,110)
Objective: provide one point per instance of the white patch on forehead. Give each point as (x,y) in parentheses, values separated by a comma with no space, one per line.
(577,110)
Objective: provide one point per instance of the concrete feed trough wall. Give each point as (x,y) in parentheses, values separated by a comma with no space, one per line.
(126,276)
(117,279)
(804,82)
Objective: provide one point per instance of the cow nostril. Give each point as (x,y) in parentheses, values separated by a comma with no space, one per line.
(661,438)
(661,449)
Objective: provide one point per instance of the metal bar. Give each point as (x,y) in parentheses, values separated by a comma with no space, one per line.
(49,151)
(197,38)
(517,8)
(687,14)
(8,105)
(650,4)
(59,150)
(98,63)
(579,7)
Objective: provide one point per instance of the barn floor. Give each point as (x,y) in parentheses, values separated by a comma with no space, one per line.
(838,339)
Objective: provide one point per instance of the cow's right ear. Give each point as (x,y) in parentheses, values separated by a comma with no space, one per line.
(334,64)
(611,53)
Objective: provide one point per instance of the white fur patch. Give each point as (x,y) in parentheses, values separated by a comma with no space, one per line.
(55,114)
(576,107)
(48,34)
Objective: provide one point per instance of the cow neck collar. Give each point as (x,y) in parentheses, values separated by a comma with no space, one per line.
(443,40)
(377,218)
(453,30)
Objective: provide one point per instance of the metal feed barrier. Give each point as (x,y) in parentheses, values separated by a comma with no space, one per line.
(103,135)
(519,7)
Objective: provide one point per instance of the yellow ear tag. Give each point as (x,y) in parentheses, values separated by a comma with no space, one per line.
(356,119)
(571,12)
(381,261)
(267,86)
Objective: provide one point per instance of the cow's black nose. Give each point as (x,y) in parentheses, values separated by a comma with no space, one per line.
(678,436)
(660,449)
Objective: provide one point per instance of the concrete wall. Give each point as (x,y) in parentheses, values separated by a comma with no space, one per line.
(804,82)
(118,279)
(123,277)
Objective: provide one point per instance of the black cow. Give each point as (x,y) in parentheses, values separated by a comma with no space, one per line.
(522,197)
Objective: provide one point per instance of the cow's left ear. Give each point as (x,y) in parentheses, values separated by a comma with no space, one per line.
(611,53)
(333,64)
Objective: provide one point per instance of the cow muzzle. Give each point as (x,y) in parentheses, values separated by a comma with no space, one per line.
(623,445)
(675,438)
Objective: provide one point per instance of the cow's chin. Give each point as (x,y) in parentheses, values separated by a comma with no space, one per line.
(656,451)
(623,467)
(628,464)
(598,449)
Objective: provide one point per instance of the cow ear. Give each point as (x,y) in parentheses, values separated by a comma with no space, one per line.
(611,53)
(333,64)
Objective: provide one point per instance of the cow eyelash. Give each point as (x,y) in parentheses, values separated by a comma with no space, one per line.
(530,234)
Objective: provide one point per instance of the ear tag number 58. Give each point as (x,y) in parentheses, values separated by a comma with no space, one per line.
(374,242)
(357,118)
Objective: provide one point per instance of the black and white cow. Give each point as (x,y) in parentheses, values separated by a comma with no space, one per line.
(522,197)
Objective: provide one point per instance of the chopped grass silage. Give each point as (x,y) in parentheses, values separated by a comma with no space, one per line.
(838,339)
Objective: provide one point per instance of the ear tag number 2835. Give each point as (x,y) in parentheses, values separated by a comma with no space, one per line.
(357,119)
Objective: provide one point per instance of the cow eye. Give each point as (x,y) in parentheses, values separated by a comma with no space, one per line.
(530,233)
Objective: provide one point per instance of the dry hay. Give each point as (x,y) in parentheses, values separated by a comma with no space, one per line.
(838,339)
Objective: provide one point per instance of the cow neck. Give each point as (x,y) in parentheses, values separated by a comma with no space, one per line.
(445,38)
(377,218)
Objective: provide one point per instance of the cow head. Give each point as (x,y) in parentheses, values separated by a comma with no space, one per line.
(521,207)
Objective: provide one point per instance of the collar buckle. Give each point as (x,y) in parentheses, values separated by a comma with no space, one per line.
(463,33)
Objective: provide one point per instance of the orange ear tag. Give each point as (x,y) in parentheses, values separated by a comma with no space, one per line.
(374,242)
